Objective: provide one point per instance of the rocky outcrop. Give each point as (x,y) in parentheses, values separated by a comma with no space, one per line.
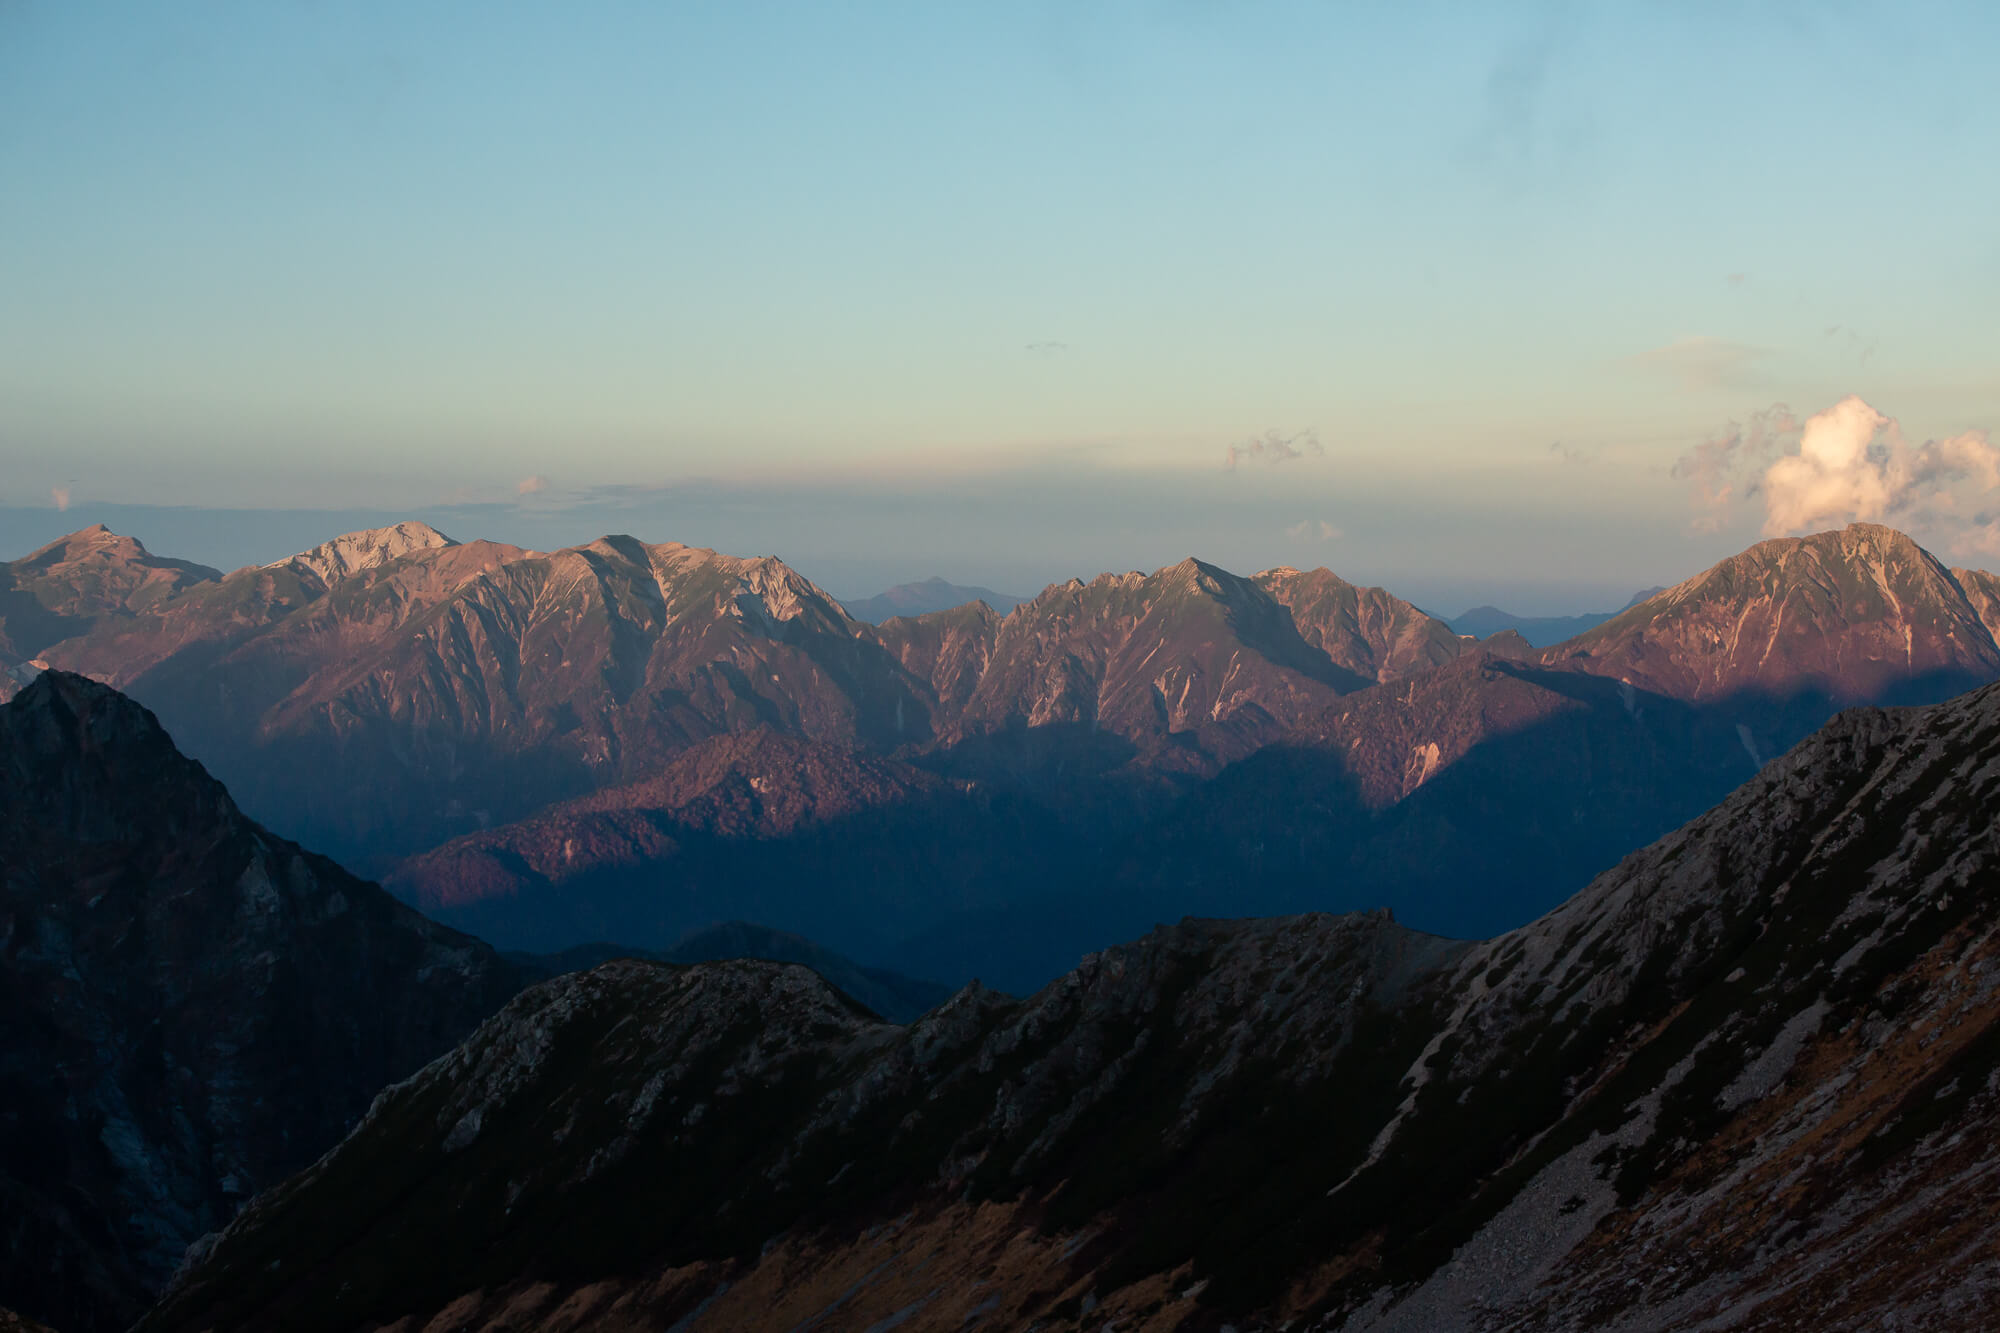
(331,562)
(1366,630)
(195,1008)
(1747,1079)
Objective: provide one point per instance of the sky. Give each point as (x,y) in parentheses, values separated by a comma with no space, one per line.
(1501,302)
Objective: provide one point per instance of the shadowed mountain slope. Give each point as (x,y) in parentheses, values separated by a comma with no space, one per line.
(1747,1080)
(194,1008)
(854,851)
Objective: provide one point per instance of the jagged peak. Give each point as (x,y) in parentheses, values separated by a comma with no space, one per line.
(352,553)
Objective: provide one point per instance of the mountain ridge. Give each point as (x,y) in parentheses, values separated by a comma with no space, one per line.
(1329,1122)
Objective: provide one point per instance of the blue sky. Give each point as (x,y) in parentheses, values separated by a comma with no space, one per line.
(990,290)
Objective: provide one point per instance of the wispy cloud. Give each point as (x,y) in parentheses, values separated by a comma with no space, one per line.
(1047,348)
(534,485)
(60,495)
(1723,467)
(1273,447)
(1571,454)
(1704,364)
(1313,530)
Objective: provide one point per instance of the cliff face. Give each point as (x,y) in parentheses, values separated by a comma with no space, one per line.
(1746,1079)
(195,1007)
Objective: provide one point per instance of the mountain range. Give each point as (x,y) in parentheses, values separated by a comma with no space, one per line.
(1746,1079)
(628,742)
(1761,1045)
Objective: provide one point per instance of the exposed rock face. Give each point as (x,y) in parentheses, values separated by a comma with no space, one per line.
(331,562)
(1366,630)
(423,694)
(194,1008)
(1750,1078)
(1862,614)
(1145,655)
(1982,589)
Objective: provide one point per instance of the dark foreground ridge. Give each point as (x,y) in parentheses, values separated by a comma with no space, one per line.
(194,1009)
(1746,1079)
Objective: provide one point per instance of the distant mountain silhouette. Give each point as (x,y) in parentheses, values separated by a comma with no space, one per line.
(921,598)
(1483,622)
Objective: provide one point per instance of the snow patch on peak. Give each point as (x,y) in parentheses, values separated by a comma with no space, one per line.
(354,552)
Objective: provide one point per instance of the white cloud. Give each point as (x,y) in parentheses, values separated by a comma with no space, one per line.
(1313,530)
(60,494)
(531,485)
(1852,465)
